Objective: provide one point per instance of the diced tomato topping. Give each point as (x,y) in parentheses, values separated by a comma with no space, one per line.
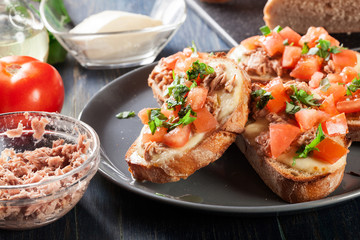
(170,112)
(187,52)
(334,78)
(329,151)
(281,136)
(312,35)
(292,36)
(348,106)
(336,125)
(177,137)
(315,80)
(335,89)
(188,83)
(333,41)
(197,97)
(171,60)
(158,136)
(144,115)
(205,121)
(182,65)
(329,106)
(291,56)
(277,90)
(348,74)
(308,118)
(306,67)
(273,44)
(251,43)
(345,58)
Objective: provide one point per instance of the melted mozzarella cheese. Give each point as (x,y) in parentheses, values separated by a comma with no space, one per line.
(308,164)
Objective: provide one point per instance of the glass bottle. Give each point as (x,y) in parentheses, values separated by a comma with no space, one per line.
(22,32)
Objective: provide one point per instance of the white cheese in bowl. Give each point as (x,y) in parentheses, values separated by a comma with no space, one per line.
(113,46)
(114,21)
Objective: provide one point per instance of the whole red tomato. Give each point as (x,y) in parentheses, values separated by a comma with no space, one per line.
(27,84)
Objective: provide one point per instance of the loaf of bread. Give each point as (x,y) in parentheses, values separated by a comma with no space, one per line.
(336,16)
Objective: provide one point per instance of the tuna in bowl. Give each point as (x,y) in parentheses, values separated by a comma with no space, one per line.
(47,161)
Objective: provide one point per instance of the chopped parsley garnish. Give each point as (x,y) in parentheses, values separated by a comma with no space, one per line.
(125,114)
(292,108)
(263,96)
(323,49)
(278,28)
(304,151)
(265,30)
(198,69)
(193,47)
(177,93)
(354,86)
(286,43)
(305,48)
(303,97)
(184,120)
(156,119)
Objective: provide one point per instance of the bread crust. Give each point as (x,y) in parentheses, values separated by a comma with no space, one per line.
(183,165)
(293,188)
(336,16)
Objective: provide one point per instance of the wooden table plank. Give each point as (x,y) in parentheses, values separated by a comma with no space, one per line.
(108,211)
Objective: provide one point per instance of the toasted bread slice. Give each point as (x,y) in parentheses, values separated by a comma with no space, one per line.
(227,100)
(309,179)
(262,68)
(336,16)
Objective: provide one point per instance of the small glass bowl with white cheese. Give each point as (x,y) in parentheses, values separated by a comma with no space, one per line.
(46,163)
(113,34)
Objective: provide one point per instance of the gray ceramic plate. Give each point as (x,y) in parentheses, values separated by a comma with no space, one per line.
(229,185)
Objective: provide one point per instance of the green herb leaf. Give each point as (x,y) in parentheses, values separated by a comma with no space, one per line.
(156,119)
(305,48)
(303,97)
(354,86)
(303,153)
(323,49)
(265,30)
(185,120)
(125,114)
(193,47)
(263,96)
(177,93)
(277,29)
(57,54)
(199,69)
(291,108)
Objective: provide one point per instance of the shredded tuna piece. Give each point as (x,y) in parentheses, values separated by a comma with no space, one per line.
(12,133)
(39,126)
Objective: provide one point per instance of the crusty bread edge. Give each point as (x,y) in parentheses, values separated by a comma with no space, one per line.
(206,152)
(290,189)
(354,129)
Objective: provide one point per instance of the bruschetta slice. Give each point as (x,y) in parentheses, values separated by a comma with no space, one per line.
(204,105)
(296,146)
(317,58)
(282,52)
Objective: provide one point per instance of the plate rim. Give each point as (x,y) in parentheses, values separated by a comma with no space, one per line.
(287,208)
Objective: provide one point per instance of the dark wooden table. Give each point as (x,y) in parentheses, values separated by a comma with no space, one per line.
(109,212)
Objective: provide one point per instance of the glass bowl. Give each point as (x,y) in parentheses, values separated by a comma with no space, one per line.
(103,48)
(35,191)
